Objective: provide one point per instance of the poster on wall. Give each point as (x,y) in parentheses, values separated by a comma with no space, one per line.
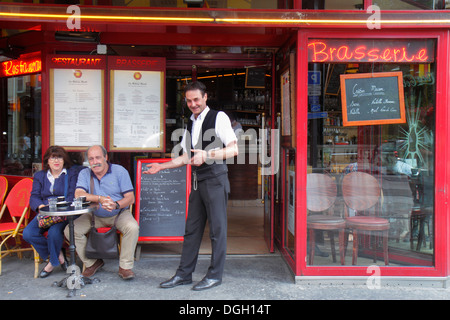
(285,104)
(76,107)
(136,105)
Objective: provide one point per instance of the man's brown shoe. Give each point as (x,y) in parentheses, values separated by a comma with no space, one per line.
(126,274)
(90,271)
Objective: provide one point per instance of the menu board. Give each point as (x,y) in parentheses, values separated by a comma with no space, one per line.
(76,105)
(136,103)
(161,202)
(255,77)
(372,98)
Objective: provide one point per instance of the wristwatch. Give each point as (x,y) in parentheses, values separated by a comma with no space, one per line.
(117,205)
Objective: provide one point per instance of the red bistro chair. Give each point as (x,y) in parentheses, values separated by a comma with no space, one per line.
(3,188)
(321,196)
(362,192)
(17,204)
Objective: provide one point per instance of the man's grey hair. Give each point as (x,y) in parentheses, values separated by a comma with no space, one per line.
(100,146)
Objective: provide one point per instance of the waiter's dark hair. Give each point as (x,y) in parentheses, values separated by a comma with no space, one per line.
(196,85)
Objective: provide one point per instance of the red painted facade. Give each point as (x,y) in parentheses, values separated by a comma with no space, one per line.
(263,28)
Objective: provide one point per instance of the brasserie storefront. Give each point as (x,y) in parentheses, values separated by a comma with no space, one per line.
(344,115)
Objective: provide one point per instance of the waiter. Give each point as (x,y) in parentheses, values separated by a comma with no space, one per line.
(213,141)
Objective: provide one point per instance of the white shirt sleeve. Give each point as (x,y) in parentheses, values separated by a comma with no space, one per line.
(223,128)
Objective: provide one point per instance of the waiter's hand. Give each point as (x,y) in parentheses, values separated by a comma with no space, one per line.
(152,168)
(198,158)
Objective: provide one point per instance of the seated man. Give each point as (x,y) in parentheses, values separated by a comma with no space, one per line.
(114,192)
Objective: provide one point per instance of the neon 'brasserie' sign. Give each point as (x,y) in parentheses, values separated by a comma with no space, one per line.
(383,51)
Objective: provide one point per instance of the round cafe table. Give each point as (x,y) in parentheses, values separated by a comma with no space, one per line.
(74,280)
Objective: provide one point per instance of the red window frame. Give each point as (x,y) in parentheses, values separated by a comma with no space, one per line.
(442,159)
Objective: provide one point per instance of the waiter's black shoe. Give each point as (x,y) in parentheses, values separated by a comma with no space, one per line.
(175,281)
(206,284)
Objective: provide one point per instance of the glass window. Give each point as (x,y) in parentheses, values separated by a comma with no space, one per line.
(21,125)
(333,4)
(397,158)
(289,208)
(230,4)
(409,4)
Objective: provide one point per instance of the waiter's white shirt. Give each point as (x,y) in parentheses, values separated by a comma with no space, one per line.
(223,128)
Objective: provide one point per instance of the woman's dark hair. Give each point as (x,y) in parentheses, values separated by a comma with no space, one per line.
(57,151)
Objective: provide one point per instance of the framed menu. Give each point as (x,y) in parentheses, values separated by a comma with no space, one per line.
(136,104)
(372,98)
(76,107)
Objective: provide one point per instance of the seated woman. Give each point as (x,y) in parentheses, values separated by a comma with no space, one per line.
(56,179)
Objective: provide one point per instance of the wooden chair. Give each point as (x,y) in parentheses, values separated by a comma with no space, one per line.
(17,203)
(3,189)
(321,196)
(362,192)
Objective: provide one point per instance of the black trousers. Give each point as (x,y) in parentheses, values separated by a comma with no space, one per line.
(208,202)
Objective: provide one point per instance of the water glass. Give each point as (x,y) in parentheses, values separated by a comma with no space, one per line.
(52,203)
(78,203)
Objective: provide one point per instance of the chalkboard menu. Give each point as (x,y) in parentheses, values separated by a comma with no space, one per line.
(255,77)
(372,98)
(161,202)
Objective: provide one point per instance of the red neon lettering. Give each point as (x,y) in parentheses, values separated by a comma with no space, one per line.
(359,53)
(404,57)
(318,54)
(76,61)
(18,67)
(386,55)
(396,51)
(320,51)
(331,52)
(422,55)
(373,54)
(345,50)
(135,62)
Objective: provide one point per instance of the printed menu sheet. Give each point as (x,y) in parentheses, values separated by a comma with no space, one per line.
(136,110)
(77,105)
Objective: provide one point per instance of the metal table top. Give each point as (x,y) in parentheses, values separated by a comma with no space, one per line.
(68,210)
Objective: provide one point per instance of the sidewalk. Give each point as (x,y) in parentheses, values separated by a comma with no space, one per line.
(247,277)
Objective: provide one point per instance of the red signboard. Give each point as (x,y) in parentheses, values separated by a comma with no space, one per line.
(382,51)
(76,61)
(137,63)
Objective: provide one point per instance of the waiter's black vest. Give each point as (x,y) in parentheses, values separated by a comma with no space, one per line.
(208,140)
